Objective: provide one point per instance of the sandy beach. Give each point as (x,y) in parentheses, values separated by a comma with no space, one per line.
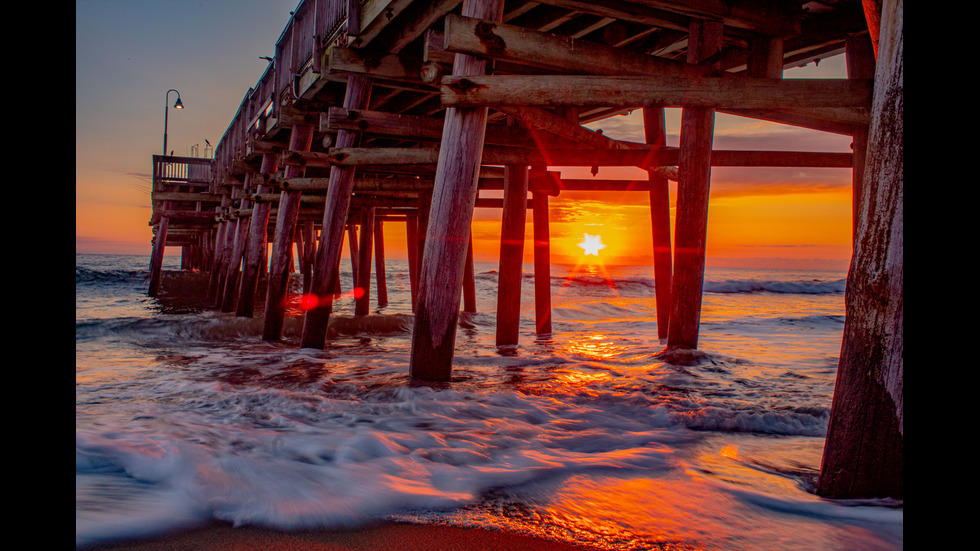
(380,537)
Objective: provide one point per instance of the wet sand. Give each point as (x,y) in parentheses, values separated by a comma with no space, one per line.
(380,537)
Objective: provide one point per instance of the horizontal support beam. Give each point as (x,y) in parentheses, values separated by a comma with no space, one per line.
(644,158)
(633,92)
(397,71)
(415,127)
(553,52)
(185,196)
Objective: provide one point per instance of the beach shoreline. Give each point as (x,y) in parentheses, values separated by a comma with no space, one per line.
(375,537)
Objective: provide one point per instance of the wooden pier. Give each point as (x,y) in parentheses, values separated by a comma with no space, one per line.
(405,111)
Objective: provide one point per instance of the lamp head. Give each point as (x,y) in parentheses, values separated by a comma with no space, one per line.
(178,105)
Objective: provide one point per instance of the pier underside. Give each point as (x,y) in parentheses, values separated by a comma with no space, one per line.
(418,112)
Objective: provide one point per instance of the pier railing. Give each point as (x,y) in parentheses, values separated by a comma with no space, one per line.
(181,186)
(313,26)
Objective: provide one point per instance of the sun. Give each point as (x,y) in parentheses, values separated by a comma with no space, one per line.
(592,244)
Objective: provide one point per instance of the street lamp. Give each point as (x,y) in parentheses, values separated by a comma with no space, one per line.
(166,109)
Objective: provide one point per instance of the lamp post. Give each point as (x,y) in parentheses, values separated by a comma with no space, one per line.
(166,109)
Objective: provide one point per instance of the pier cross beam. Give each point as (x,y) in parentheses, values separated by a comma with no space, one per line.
(447,235)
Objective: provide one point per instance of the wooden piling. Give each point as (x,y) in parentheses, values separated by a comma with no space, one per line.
(864,453)
(229,293)
(511,261)
(859,54)
(275,304)
(691,223)
(156,256)
(411,233)
(308,255)
(454,194)
(254,261)
(654,129)
(379,263)
(214,278)
(469,280)
(542,263)
(362,297)
(335,212)
(353,248)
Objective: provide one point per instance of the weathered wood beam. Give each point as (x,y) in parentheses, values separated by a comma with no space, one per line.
(393,70)
(644,158)
(412,23)
(420,128)
(201,197)
(546,120)
(771,17)
(630,92)
(373,18)
(549,51)
(624,10)
(390,25)
(826,119)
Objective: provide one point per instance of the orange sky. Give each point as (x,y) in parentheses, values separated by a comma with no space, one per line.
(773,217)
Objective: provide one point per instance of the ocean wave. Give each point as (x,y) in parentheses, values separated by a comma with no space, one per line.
(798,287)
(88,276)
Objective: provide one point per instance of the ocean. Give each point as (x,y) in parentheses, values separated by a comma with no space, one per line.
(184,415)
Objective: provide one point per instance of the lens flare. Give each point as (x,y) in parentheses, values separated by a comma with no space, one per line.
(592,244)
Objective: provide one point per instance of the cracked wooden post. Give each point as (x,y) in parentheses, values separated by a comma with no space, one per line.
(279,266)
(335,211)
(253,264)
(454,194)
(864,453)
(691,223)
